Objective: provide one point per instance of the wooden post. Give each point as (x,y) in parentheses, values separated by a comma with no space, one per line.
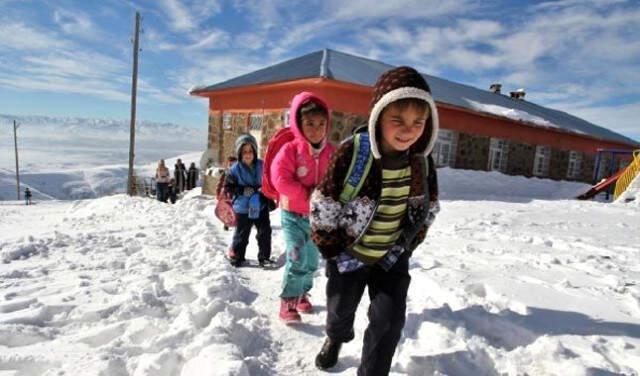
(134,92)
(15,144)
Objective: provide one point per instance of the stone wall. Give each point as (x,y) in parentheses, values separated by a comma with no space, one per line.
(520,159)
(215,136)
(559,164)
(587,167)
(342,125)
(473,152)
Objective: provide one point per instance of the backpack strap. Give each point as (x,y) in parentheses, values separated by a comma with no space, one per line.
(361,161)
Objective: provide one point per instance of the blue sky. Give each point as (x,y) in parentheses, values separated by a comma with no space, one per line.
(73,58)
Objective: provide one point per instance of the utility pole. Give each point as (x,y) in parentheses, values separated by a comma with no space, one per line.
(134,92)
(15,144)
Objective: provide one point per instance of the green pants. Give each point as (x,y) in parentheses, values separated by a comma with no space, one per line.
(302,255)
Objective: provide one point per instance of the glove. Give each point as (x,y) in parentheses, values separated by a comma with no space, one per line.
(248,191)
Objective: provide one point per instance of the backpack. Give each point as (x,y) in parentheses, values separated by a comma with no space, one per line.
(224,208)
(276,143)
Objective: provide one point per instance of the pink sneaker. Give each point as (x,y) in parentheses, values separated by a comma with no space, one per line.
(304,305)
(288,312)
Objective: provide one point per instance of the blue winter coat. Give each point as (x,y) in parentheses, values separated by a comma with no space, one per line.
(241,176)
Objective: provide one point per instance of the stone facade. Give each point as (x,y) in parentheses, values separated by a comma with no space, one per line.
(559,164)
(587,167)
(473,152)
(342,125)
(520,159)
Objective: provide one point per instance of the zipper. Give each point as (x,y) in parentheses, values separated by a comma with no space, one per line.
(316,159)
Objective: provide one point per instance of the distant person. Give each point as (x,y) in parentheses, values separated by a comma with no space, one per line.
(27,196)
(243,183)
(192,176)
(172,191)
(163,176)
(180,174)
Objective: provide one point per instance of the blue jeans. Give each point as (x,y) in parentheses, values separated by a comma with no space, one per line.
(302,255)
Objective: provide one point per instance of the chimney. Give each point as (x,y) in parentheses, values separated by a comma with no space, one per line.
(518,94)
(495,88)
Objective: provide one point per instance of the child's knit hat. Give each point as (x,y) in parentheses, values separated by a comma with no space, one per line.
(246,139)
(400,83)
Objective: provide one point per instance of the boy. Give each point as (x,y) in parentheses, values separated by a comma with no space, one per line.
(243,182)
(368,237)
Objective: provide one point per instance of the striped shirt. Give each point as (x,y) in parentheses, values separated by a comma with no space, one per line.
(385,228)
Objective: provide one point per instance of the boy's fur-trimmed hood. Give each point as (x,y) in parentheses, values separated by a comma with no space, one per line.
(400,83)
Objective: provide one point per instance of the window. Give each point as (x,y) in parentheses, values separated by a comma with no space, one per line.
(541,161)
(575,165)
(226,121)
(444,151)
(285,119)
(498,154)
(255,122)
(255,129)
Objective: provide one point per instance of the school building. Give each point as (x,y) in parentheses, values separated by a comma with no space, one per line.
(479,129)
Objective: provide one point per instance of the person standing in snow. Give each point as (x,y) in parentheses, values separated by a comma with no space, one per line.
(192,176)
(296,170)
(162,181)
(172,192)
(27,196)
(243,183)
(368,239)
(180,174)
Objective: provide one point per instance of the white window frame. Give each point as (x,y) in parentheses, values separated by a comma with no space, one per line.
(226,120)
(498,155)
(542,160)
(445,148)
(255,128)
(574,167)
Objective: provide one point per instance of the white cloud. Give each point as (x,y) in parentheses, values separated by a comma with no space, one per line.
(57,84)
(18,36)
(403,9)
(75,23)
(187,15)
(622,119)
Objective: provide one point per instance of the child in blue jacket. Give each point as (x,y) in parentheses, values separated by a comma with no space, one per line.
(243,182)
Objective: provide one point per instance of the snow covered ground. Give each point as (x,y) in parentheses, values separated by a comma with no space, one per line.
(504,284)
(81,182)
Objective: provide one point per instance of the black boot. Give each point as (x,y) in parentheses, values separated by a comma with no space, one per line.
(328,355)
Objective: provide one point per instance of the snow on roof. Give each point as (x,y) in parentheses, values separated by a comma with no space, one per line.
(344,67)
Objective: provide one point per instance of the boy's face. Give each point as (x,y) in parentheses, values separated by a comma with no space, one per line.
(247,154)
(401,128)
(314,127)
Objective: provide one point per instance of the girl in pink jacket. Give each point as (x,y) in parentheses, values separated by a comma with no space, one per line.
(296,170)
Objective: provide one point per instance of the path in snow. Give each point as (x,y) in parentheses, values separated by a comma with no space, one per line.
(131,286)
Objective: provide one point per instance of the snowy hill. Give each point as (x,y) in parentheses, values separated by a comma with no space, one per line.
(502,286)
(82,183)
(62,143)
(93,182)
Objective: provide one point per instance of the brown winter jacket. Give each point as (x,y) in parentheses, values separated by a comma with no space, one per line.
(335,227)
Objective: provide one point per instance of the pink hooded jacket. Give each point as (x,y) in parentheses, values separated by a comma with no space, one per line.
(296,170)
